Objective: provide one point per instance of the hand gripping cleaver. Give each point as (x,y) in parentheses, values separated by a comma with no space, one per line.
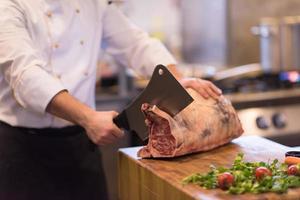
(164,91)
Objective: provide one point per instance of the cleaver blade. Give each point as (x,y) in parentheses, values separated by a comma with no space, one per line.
(164,91)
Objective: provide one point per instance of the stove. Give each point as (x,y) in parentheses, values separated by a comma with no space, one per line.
(268,105)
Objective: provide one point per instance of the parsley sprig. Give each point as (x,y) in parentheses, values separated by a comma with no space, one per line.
(244,177)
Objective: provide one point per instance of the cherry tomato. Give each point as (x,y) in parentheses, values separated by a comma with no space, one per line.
(225,180)
(293,170)
(261,172)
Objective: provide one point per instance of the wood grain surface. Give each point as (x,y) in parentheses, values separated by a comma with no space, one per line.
(160,179)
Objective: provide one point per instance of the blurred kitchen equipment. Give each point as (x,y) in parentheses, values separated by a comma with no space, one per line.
(217,32)
(268,105)
(290,43)
(272,114)
(204,41)
(268,31)
(250,70)
(162,90)
(279,43)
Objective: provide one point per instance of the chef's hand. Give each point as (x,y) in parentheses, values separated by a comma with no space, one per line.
(101,129)
(99,126)
(205,88)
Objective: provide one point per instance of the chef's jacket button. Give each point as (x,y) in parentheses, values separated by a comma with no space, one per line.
(86,73)
(81,42)
(77,11)
(58,76)
(49,14)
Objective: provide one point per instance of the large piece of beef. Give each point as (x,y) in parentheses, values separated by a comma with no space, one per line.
(203,125)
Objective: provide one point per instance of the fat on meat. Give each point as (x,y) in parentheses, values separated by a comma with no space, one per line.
(203,125)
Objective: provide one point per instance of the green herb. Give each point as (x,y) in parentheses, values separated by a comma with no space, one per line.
(245,180)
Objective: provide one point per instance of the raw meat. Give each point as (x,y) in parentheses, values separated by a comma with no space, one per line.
(203,125)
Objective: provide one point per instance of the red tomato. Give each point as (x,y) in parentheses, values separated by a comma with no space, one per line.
(261,172)
(225,180)
(293,170)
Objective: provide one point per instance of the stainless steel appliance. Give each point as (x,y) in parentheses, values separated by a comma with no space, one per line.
(268,105)
(274,115)
(290,43)
(269,33)
(218,32)
(279,43)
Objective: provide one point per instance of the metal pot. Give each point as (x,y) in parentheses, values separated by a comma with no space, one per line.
(268,31)
(290,43)
(279,43)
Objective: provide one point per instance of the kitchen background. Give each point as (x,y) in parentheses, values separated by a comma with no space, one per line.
(249,48)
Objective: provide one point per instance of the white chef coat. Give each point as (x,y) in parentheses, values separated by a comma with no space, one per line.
(47,46)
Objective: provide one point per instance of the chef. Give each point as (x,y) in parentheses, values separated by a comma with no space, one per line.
(48,56)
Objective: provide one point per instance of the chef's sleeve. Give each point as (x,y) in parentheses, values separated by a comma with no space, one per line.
(130,45)
(21,63)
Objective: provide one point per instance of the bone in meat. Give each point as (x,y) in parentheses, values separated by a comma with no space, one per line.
(203,125)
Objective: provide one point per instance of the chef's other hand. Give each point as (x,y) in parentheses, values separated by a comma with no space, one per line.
(203,87)
(101,129)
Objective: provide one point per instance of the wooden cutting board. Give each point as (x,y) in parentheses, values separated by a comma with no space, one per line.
(153,179)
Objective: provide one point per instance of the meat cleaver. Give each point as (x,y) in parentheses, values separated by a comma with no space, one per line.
(164,91)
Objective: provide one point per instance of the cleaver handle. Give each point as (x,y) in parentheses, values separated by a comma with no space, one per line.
(121,121)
